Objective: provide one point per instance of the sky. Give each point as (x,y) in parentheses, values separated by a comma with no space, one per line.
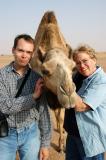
(80,21)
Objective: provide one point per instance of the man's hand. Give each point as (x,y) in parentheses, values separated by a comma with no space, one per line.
(38,88)
(44,153)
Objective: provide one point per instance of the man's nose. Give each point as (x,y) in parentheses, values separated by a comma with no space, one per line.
(24,54)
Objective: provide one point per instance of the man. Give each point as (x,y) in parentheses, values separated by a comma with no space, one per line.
(29,120)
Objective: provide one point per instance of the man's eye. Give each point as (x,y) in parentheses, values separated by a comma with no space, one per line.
(29,52)
(20,50)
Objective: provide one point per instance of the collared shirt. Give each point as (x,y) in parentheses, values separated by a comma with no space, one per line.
(92,123)
(23,110)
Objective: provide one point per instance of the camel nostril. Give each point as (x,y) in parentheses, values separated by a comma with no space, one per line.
(62,90)
(65,91)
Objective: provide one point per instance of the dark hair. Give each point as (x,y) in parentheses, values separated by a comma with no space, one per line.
(26,37)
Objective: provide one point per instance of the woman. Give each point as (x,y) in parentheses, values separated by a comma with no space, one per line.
(86,122)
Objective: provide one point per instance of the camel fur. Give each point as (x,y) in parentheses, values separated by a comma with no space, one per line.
(51,60)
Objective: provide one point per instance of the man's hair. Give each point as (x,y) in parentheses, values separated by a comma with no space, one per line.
(85,48)
(26,37)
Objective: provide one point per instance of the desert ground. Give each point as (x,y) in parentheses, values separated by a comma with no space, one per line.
(54,154)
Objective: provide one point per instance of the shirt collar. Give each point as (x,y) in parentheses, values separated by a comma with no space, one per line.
(98,69)
(11,68)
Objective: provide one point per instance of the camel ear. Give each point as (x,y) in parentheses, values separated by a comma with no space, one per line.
(69,51)
(41,54)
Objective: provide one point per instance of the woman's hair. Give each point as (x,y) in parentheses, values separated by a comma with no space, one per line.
(85,48)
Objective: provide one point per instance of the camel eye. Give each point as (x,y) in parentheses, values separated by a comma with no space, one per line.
(48,68)
(46,72)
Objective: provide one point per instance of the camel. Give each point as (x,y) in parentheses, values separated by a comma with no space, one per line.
(51,60)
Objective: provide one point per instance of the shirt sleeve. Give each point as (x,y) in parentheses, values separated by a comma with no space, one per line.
(94,95)
(44,122)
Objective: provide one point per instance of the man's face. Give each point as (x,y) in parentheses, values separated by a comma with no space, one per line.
(23,52)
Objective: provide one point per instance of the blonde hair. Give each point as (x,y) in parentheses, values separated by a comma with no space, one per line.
(85,48)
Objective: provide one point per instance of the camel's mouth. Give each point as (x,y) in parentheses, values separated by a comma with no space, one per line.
(66,91)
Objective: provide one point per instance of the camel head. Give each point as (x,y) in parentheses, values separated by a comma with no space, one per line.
(57,70)
(51,59)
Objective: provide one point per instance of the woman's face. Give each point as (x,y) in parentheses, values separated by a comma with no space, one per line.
(85,64)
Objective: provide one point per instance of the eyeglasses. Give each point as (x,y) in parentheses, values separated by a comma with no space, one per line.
(84,62)
(23,51)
